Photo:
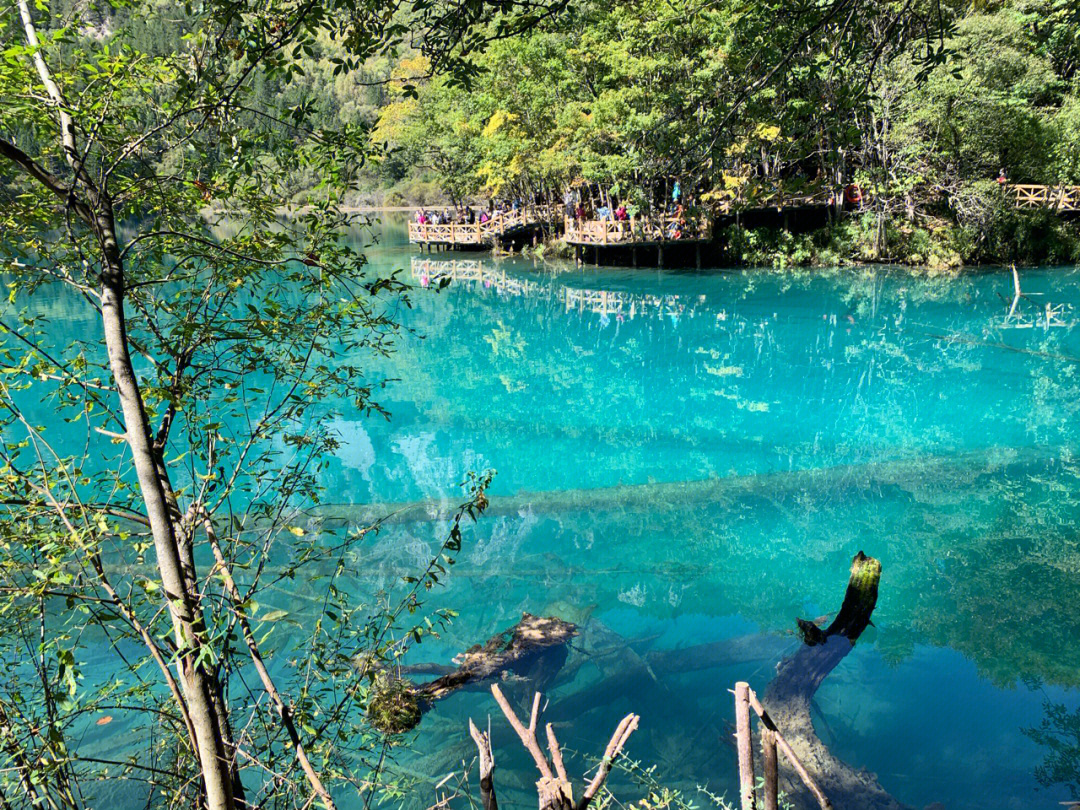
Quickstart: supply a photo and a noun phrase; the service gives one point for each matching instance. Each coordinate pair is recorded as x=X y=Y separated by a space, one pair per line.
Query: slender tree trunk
x=194 y=680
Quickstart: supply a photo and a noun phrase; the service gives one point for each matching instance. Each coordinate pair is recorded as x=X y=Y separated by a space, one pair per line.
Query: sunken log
x=534 y=649
x=798 y=677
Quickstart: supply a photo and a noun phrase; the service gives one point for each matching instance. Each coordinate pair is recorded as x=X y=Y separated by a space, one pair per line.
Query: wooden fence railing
x=480 y=233
x=634 y=231
x=771 y=740
x=1059 y=198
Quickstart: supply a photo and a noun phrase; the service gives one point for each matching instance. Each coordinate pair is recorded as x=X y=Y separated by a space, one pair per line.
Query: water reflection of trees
x=1058 y=733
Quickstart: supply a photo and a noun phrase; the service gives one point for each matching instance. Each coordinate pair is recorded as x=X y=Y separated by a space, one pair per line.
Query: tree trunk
x=797 y=679
x=214 y=763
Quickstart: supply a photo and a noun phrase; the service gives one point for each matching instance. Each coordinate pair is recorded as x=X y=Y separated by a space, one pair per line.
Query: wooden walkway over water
x=503 y=226
x=658 y=232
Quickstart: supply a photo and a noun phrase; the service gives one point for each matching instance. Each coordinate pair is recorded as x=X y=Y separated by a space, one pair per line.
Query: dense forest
x=922 y=105
x=922 y=111
x=923 y=119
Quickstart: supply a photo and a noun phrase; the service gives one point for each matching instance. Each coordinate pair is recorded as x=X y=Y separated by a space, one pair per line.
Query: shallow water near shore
x=687 y=458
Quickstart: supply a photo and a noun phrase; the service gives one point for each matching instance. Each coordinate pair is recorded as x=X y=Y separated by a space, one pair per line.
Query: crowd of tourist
x=469 y=215
x=576 y=207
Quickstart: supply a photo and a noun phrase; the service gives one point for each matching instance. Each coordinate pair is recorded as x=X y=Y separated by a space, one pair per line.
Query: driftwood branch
x=556 y=753
x=526 y=735
x=618 y=740
x=554 y=787
x=487 y=767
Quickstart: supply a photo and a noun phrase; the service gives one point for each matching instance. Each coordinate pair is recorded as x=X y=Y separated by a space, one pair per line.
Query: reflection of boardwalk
x=602 y=302
x=612 y=302
x=503 y=225
x=432 y=271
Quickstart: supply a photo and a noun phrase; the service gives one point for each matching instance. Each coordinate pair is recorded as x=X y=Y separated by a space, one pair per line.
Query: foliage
x=190 y=342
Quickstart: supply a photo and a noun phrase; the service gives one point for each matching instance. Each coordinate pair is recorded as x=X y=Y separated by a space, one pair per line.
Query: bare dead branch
x=527 y=735
x=622 y=733
x=487 y=767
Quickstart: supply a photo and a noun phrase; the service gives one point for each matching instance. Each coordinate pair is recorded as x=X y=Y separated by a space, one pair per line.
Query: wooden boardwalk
x=635 y=231
x=503 y=225
x=1058 y=198
x=656 y=232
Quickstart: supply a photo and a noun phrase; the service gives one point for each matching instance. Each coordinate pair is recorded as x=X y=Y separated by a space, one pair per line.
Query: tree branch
x=487 y=767
x=50 y=181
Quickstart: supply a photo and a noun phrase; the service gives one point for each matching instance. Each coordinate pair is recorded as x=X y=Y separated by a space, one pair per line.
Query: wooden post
x=743 y=741
x=697 y=254
x=768 y=765
x=633 y=255
x=660 y=256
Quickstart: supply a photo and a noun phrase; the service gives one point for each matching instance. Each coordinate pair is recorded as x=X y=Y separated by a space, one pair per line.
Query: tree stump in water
x=798 y=677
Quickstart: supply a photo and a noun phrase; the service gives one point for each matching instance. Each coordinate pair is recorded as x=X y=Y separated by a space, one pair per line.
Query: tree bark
x=798 y=677
x=194 y=680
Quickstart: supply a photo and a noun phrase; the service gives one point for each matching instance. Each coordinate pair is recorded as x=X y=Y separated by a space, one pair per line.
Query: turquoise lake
x=691 y=457
x=826 y=412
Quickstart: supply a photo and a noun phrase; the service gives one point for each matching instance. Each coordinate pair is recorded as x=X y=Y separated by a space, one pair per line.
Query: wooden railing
x=1059 y=198
x=775 y=199
x=481 y=233
x=771 y=740
x=634 y=231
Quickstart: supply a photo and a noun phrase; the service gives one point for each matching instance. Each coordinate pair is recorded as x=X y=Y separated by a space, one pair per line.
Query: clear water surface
x=688 y=457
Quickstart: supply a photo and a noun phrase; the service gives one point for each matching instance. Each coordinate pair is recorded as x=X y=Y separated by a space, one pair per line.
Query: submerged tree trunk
x=534 y=648
x=798 y=677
